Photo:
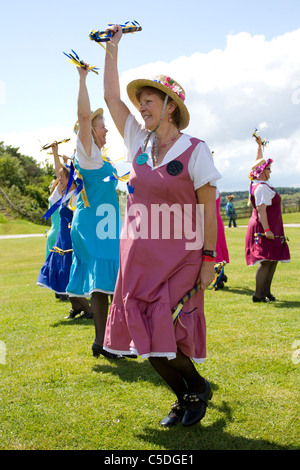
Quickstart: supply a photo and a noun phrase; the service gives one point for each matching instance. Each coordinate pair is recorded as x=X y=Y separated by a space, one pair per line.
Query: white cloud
x=251 y=83
x=30 y=142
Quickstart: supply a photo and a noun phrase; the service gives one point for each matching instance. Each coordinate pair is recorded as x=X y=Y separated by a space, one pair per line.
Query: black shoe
x=175 y=415
x=86 y=315
x=196 y=404
x=258 y=299
x=73 y=313
x=97 y=350
x=270 y=297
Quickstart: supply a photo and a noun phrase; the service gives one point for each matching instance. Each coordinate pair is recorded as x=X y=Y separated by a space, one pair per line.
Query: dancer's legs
x=267 y=286
x=179 y=373
x=80 y=303
x=262 y=274
x=99 y=303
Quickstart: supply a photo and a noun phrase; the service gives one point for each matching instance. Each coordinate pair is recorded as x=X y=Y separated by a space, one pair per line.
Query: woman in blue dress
x=55 y=272
x=96 y=223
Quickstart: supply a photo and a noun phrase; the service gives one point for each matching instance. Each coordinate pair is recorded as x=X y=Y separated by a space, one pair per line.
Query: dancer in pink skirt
x=265 y=240
x=221 y=247
x=163 y=250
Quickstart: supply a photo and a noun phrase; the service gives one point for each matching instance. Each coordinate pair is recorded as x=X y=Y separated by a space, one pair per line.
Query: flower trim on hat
x=259 y=169
x=173 y=86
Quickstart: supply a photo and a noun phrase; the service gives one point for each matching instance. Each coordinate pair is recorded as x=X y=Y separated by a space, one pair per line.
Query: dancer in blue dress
x=96 y=223
x=55 y=272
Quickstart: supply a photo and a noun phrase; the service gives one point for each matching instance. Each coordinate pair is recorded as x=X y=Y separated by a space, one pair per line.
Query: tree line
x=24 y=185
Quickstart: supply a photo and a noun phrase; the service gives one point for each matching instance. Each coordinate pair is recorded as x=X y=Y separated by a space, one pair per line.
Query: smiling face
x=99 y=131
x=151 y=104
x=63 y=179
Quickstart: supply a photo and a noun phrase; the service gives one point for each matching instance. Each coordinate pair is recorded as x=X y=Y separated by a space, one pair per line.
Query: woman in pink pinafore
x=163 y=254
x=265 y=242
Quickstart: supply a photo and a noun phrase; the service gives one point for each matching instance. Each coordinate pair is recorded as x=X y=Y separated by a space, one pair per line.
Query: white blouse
x=201 y=166
x=94 y=162
x=263 y=194
x=55 y=196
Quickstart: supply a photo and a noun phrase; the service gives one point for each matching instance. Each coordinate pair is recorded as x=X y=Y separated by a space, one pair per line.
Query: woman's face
x=100 y=130
x=267 y=172
x=63 y=179
x=150 y=108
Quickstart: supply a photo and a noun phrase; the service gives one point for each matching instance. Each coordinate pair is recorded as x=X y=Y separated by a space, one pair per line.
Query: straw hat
x=168 y=86
x=98 y=112
x=258 y=162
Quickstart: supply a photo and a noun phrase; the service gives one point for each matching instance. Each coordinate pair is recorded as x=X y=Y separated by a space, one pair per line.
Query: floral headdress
x=169 y=82
x=257 y=171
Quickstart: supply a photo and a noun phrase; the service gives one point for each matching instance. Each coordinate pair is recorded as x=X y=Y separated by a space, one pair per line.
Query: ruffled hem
x=50 y=288
x=96 y=276
x=132 y=351
x=255 y=263
x=89 y=294
x=149 y=330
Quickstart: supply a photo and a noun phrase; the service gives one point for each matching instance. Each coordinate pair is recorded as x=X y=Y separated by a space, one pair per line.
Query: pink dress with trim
x=260 y=248
x=157 y=270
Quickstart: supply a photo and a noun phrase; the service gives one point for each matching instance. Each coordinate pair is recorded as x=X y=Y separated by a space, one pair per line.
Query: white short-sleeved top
x=94 y=162
x=55 y=196
x=263 y=194
x=201 y=166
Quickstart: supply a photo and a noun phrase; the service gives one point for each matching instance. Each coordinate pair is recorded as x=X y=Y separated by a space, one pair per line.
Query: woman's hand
x=117 y=30
x=83 y=71
x=54 y=147
x=258 y=140
x=269 y=234
x=206 y=275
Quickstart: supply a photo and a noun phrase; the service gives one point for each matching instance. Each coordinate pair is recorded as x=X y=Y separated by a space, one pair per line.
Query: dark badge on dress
x=174 y=168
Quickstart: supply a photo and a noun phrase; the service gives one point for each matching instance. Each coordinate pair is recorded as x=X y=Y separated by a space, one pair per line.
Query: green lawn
x=55 y=395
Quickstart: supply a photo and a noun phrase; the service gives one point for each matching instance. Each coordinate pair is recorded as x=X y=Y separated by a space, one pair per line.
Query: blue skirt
x=55 y=272
x=95 y=235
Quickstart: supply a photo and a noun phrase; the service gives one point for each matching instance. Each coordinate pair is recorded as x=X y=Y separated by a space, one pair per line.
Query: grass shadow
x=130 y=370
x=201 y=437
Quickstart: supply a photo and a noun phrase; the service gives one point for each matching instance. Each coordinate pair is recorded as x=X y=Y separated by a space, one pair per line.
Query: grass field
x=56 y=396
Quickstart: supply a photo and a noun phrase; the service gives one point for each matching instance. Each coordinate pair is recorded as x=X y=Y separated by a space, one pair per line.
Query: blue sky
x=237 y=60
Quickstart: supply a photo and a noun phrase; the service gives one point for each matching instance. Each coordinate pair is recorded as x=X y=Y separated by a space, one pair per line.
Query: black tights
x=264 y=277
x=179 y=373
x=99 y=303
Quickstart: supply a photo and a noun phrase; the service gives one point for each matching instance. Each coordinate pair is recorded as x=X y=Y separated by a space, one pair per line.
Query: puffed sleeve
x=202 y=168
x=93 y=162
x=263 y=194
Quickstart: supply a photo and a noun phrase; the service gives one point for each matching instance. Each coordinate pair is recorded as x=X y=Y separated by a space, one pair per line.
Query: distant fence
x=287 y=205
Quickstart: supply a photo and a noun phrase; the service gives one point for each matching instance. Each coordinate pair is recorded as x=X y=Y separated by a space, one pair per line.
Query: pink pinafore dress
x=258 y=247
x=158 y=266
